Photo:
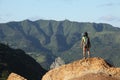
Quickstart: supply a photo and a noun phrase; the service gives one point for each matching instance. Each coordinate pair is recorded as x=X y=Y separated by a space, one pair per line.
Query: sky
x=97 y=11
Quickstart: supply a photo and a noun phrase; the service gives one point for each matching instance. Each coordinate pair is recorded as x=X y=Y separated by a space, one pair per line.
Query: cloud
x=109 y=18
x=1 y=20
x=5 y=18
x=110 y=4
x=33 y=18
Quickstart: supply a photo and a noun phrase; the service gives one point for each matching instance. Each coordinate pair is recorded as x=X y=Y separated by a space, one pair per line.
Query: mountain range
x=45 y=40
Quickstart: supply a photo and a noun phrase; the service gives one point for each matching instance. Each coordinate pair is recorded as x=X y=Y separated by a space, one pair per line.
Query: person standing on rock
x=85 y=44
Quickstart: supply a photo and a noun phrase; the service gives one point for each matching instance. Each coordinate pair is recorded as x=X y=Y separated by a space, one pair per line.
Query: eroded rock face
x=14 y=76
x=80 y=68
x=58 y=62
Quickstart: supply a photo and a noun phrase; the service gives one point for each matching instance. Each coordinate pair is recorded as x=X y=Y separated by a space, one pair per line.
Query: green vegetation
x=15 y=60
x=48 y=39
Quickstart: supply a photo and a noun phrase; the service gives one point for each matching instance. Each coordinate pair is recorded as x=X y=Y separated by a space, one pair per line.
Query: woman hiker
x=85 y=45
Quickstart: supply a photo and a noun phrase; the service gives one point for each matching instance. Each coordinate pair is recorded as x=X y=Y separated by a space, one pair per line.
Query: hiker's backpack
x=86 y=42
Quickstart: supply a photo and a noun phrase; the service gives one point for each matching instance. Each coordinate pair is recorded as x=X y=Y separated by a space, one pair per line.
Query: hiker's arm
x=81 y=44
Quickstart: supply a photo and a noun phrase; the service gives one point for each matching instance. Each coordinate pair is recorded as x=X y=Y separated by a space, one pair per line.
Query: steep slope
x=15 y=60
x=85 y=69
x=45 y=40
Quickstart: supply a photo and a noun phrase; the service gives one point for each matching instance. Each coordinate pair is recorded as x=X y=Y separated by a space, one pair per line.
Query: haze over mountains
x=47 y=39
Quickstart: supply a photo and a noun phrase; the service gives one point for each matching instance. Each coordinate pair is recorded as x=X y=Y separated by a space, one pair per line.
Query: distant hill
x=15 y=60
x=47 y=39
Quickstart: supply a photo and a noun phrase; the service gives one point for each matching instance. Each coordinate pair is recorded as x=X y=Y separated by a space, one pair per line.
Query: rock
x=14 y=76
x=58 y=62
x=80 y=68
x=96 y=76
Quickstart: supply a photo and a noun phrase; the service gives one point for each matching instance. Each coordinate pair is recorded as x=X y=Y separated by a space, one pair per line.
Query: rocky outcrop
x=80 y=68
x=14 y=76
x=58 y=62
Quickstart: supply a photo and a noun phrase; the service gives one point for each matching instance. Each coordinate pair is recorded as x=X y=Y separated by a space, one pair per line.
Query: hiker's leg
x=84 y=52
x=88 y=51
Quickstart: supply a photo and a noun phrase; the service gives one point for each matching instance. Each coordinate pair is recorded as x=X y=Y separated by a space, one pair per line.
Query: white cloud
x=110 y=4
x=108 y=18
x=113 y=20
x=0 y=18
x=34 y=18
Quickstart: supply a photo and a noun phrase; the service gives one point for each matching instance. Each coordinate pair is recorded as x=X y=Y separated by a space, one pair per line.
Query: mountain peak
x=78 y=69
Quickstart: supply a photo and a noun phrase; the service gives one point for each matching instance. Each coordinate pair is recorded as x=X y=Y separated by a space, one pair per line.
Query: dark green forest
x=16 y=61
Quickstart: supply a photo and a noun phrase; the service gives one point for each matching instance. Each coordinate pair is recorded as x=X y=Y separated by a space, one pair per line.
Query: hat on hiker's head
x=85 y=34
